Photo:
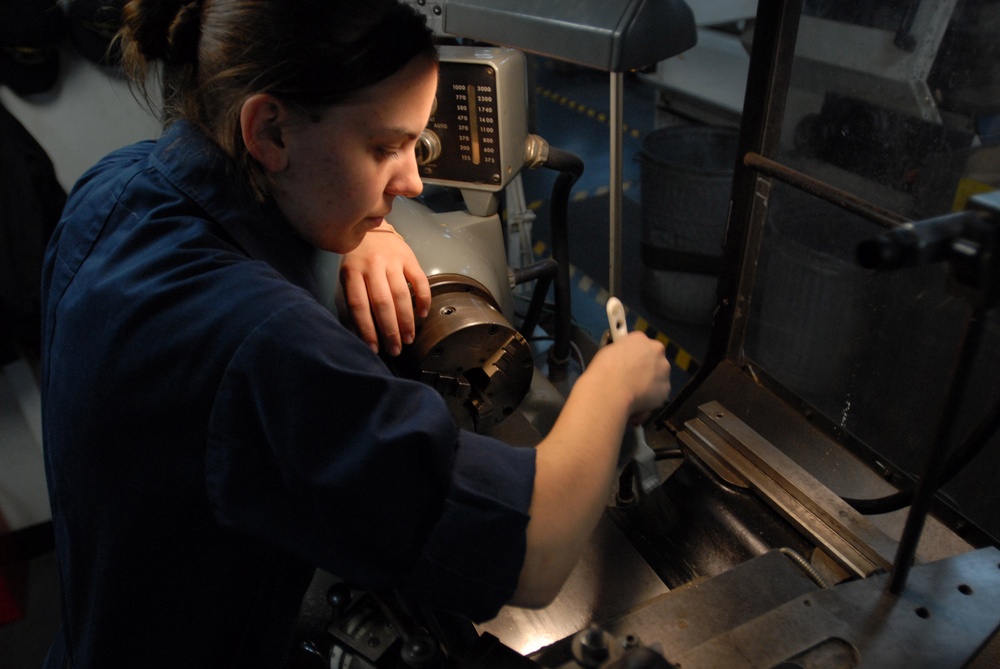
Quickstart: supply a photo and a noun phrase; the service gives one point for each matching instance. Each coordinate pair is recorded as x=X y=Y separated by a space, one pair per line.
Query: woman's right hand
x=638 y=364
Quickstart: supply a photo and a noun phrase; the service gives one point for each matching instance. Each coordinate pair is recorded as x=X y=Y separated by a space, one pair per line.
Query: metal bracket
x=743 y=457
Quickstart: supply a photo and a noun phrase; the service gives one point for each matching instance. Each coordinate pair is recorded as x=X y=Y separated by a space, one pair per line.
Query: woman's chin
x=349 y=239
x=341 y=245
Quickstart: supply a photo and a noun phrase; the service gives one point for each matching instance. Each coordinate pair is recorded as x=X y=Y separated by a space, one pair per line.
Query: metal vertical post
x=616 y=169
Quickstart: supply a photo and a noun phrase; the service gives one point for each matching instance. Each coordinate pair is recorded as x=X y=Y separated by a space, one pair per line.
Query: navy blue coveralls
x=213 y=434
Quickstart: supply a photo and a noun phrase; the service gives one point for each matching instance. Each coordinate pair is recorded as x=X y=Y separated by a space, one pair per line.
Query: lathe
x=828 y=493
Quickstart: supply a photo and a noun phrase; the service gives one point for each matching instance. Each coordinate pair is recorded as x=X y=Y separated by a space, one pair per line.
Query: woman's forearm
x=576 y=461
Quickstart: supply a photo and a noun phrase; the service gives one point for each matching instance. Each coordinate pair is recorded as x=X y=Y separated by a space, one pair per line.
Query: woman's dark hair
x=309 y=53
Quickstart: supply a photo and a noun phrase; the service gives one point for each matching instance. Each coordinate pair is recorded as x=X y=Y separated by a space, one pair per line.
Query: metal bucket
x=687 y=174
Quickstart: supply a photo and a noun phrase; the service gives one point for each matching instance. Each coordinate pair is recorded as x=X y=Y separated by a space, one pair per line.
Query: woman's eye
x=385 y=152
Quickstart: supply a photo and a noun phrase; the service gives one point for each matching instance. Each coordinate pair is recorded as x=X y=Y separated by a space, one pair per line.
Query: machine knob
x=593 y=647
x=419 y=651
x=428 y=147
x=338 y=596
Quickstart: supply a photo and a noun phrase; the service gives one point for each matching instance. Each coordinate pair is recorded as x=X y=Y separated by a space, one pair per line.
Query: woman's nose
x=406 y=181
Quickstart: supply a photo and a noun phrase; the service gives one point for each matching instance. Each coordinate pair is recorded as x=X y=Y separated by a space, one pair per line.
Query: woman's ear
x=261 y=120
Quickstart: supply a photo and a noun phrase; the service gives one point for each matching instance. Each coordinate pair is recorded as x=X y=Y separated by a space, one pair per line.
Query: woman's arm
x=385 y=288
x=575 y=463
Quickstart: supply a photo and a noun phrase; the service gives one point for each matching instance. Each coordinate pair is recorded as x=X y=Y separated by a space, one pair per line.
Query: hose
x=570 y=167
x=543 y=271
x=804 y=565
x=960 y=457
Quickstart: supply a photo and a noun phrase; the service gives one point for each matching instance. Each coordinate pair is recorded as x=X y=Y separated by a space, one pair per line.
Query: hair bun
x=151 y=24
x=184 y=34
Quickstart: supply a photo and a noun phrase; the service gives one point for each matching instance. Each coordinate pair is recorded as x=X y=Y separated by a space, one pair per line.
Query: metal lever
x=645 y=459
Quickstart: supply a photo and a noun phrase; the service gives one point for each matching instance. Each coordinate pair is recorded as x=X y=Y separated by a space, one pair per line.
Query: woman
x=212 y=433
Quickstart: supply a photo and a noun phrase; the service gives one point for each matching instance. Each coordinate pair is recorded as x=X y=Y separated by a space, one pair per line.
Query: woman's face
x=344 y=171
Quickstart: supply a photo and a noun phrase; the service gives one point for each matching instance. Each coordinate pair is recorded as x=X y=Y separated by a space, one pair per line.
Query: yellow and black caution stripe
x=579 y=195
x=677 y=356
x=583 y=194
x=599 y=116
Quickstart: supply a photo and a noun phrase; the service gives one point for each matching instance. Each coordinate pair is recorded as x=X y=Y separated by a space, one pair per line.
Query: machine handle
x=645 y=459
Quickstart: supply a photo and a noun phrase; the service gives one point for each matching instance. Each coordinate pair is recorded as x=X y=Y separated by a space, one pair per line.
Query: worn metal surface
x=839 y=468
x=610 y=580
x=690 y=616
x=940 y=621
x=470 y=353
x=610 y=36
x=855 y=543
x=694 y=527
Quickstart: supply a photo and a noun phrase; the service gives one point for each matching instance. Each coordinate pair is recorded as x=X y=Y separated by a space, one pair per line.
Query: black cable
x=570 y=167
x=573 y=347
x=543 y=271
x=536 y=270
x=980 y=436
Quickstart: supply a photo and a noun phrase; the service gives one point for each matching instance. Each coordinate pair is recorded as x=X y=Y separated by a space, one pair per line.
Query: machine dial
x=466 y=125
x=428 y=147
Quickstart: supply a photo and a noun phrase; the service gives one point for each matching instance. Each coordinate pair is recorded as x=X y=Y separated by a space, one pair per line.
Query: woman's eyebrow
x=398 y=131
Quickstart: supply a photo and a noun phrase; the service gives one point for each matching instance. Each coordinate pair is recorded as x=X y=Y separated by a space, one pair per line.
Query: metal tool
x=645 y=459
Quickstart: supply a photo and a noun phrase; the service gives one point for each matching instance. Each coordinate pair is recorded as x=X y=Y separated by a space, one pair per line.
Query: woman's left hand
x=385 y=289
